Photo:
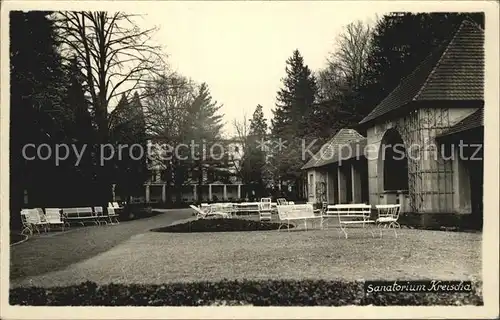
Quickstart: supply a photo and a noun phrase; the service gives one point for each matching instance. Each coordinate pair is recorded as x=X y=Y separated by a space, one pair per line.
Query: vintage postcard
x=249 y=159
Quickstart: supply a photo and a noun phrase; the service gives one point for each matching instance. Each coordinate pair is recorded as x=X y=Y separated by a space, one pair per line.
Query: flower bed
x=220 y=225
x=256 y=293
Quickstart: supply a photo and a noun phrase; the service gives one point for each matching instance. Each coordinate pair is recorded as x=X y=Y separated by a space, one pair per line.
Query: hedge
x=239 y=292
x=221 y=225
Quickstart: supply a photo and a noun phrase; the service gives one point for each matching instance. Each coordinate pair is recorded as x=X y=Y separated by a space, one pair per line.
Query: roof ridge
x=328 y=146
x=438 y=63
x=407 y=78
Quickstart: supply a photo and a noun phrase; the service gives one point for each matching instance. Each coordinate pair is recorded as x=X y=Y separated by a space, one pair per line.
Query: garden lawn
x=156 y=258
x=57 y=250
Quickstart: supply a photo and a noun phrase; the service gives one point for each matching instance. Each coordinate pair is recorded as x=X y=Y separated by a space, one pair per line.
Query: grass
x=57 y=250
x=156 y=258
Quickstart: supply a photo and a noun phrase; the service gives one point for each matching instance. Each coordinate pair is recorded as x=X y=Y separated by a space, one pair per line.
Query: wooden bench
x=80 y=215
x=301 y=212
x=349 y=215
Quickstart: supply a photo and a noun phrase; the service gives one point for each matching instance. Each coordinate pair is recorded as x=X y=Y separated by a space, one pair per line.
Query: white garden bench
x=301 y=212
x=33 y=220
x=227 y=208
x=349 y=215
x=80 y=215
x=248 y=207
x=388 y=215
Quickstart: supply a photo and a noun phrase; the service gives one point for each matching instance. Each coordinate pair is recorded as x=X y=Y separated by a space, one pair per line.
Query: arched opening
x=395 y=161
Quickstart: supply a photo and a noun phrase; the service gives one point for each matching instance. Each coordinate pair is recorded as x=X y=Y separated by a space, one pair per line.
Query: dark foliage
x=242 y=292
x=220 y=225
x=401 y=41
x=36 y=93
x=442 y=221
x=136 y=211
x=15 y=238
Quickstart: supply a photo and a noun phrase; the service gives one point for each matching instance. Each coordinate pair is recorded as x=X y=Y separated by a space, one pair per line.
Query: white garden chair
x=388 y=215
x=116 y=205
x=281 y=202
x=53 y=216
x=265 y=209
x=27 y=227
x=113 y=216
x=201 y=214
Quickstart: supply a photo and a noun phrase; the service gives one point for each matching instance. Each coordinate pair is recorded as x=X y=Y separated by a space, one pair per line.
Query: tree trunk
x=200 y=183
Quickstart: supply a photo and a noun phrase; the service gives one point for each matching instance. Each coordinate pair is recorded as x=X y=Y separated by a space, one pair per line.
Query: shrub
x=16 y=238
x=134 y=211
x=239 y=292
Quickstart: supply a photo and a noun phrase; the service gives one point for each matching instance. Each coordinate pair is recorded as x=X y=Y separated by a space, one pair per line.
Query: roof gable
x=328 y=153
x=453 y=72
x=472 y=121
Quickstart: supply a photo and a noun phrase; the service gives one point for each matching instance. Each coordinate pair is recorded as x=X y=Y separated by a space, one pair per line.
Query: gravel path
x=158 y=258
x=57 y=250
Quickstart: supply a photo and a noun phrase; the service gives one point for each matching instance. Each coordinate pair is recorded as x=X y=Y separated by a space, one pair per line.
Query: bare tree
x=166 y=108
x=167 y=100
x=242 y=129
x=350 y=57
x=345 y=67
x=114 y=54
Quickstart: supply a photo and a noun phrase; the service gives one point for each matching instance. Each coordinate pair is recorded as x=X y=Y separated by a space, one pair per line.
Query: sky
x=240 y=48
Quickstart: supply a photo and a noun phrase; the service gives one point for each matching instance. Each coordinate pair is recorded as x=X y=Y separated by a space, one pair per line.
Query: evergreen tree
x=130 y=170
x=203 y=128
x=36 y=90
x=295 y=101
x=258 y=125
x=253 y=164
x=401 y=41
x=77 y=129
x=294 y=113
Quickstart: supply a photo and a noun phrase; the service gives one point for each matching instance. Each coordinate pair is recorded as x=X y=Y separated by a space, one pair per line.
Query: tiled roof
x=475 y=120
x=451 y=72
x=337 y=148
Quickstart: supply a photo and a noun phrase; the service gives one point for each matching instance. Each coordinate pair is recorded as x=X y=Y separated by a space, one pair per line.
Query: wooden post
x=356 y=184
x=341 y=183
x=461 y=186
